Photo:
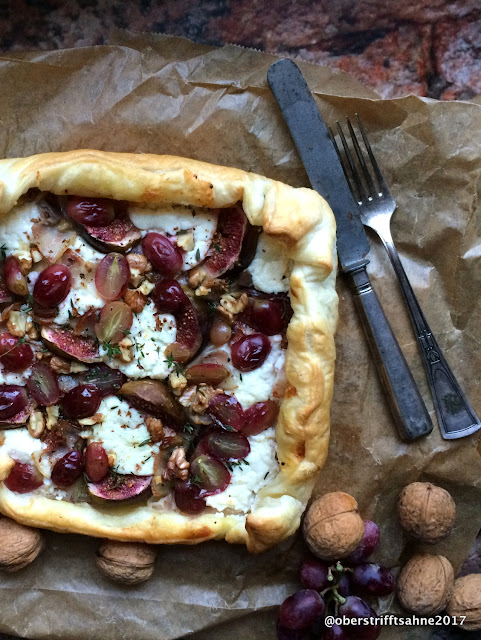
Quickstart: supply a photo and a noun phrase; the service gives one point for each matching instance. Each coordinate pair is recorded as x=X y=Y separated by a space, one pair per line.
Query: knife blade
x=326 y=176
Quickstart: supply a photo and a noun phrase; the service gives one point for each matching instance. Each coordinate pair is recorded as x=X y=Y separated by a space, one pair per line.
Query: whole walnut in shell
x=126 y=562
x=425 y=584
x=426 y=512
x=466 y=600
x=332 y=526
x=19 y=545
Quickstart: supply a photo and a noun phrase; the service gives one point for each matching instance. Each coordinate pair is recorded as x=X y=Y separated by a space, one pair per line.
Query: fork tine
x=362 y=162
x=342 y=161
x=353 y=169
x=380 y=178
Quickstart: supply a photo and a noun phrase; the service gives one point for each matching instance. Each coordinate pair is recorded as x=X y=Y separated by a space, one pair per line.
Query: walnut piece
x=177 y=466
x=146 y=287
x=97 y=418
x=59 y=365
x=52 y=416
x=17 y=324
x=425 y=584
x=36 y=424
x=426 y=512
x=333 y=527
x=20 y=545
x=231 y=306
x=178 y=382
x=126 y=351
x=139 y=265
x=135 y=300
x=126 y=562
x=155 y=428
x=186 y=241
x=466 y=600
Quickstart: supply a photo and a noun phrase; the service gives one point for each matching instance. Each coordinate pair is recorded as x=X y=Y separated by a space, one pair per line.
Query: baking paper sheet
x=161 y=94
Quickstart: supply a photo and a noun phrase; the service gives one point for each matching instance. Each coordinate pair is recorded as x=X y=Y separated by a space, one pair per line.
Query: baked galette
x=166 y=348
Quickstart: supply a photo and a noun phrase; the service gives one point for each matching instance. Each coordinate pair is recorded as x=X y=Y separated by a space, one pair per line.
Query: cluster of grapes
x=332 y=590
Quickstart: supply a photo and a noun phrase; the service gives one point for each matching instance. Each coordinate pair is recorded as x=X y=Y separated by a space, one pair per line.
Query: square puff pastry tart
x=296 y=246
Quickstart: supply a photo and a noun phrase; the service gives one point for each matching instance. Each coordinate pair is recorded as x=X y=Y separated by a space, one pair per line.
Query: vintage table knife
x=326 y=175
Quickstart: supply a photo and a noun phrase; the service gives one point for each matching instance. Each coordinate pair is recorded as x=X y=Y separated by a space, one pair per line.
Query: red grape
x=169 y=296
x=94 y=212
x=208 y=372
x=188 y=499
x=250 y=352
x=112 y=276
x=212 y=476
x=81 y=402
x=14 y=279
x=23 y=478
x=227 y=411
x=68 y=469
x=13 y=399
x=373 y=580
x=115 y=319
x=227 y=445
x=301 y=610
x=15 y=356
x=335 y=633
x=344 y=586
x=266 y=316
x=260 y=416
x=43 y=385
x=356 y=608
x=220 y=332
x=52 y=285
x=108 y=381
x=368 y=544
x=166 y=257
x=314 y=574
x=96 y=462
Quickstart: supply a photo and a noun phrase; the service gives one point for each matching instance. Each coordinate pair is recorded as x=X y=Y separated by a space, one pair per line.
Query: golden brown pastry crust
x=305 y=225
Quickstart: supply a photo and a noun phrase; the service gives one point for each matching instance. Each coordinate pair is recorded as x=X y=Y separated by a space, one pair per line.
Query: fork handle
x=410 y=414
x=455 y=415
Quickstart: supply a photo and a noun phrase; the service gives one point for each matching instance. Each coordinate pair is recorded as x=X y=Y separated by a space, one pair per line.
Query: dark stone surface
x=427 y=47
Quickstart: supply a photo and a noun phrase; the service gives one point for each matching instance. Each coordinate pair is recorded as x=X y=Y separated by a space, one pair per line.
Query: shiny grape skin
x=260 y=416
x=22 y=478
x=372 y=579
x=52 y=285
x=13 y=399
x=368 y=544
x=344 y=586
x=94 y=212
x=15 y=356
x=81 y=402
x=108 y=381
x=163 y=253
x=250 y=352
x=301 y=609
x=227 y=411
x=68 y=469
x=96 y=462
x=188 y=499
x=313 y=574
x=169 y=297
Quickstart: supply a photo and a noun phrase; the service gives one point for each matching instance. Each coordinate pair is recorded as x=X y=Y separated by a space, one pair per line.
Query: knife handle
x=408 y=409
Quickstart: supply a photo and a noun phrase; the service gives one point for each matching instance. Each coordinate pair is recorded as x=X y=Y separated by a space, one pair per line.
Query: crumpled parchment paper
x=161 y=94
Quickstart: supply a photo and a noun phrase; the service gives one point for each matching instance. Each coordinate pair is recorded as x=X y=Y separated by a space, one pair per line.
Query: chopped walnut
x=178 y=382
x=139 y=265
x=59 y=365
x=231 y=306
x=126 y=351
x=155 y=428
x=197 y=397
x=112 y=456
x=52 y=416
x=146 y=287
x=186 y=241
x=177 y=466
x=17 y=324
x=36 y=255
x=202 y=291
x=78 y=367
x=97 y=418
x=187 y=397
x=36 y=424
x=135 y=300
x=32 y=332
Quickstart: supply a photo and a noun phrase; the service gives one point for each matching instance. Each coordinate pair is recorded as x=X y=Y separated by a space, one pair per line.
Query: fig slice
x=120 y=488
x=152 y=396
x=120 y=235
x=20 y=418
x=68 y=345
x=227 y=246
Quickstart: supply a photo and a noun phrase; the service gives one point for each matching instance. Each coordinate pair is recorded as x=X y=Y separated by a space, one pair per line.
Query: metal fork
x=455 y=415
